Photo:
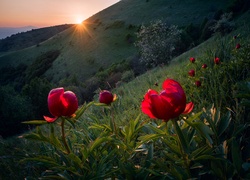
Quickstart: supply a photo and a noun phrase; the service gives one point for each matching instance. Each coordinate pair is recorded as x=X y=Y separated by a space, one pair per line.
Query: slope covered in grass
x=103 y=39
x=140 y=148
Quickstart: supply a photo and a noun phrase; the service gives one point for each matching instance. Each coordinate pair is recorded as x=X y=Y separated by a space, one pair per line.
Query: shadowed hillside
x=30 y=38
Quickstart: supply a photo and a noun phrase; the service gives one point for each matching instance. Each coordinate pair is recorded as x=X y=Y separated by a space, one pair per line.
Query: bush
x=224 y=25
x=14 y=109
x=157 y=43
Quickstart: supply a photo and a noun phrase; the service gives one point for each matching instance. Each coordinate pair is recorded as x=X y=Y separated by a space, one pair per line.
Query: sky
x=44 y=13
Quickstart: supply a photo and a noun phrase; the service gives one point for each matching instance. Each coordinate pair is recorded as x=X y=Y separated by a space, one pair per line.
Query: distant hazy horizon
x=44 y=13
x=8 y=31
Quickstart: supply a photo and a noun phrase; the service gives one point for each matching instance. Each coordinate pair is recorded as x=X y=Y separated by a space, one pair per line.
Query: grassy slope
x=103 y=40
x=131 y=94
x=127 y=106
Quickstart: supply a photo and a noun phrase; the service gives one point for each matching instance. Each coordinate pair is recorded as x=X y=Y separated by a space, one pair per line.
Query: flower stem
x=183 y=145
x=64 y=137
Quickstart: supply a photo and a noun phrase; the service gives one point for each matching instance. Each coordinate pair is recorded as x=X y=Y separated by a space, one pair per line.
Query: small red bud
x=106 y=97
x=217 y=60
x=191 y=73
x=192 y=59
x=204 y=66
x=237 y=46
x=198 y=83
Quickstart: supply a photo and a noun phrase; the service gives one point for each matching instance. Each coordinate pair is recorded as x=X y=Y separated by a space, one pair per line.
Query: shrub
x=157 y=43
x=224 y=25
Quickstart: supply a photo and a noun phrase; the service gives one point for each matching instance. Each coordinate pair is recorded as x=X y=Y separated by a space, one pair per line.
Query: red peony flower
x=169 y=104
x=237 y=46
x=198 y=83
x=191 y=73
x=61 y=103
x=204 y=66
x=217 y=60
x=192 y=59
x=106 y=97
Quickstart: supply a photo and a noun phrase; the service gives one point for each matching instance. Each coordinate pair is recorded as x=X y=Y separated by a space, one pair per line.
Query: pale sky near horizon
x=42 y=13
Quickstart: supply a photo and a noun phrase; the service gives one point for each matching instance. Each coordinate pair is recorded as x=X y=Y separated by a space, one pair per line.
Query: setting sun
x=79 y=21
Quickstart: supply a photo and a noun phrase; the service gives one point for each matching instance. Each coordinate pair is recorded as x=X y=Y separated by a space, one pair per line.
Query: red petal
x=189 y=108
x=175 y=95
x=54 y=101
x=146 y=105
x=49 y=119
x=160 y=107
x=70 y=103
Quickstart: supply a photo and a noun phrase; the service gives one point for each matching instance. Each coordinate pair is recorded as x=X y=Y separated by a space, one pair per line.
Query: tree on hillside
x=157 y=43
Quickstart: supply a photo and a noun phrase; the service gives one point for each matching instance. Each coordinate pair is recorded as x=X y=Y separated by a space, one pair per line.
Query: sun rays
x=83 y=31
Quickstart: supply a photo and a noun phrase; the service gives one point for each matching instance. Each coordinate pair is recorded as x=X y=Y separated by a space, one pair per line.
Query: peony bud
x=192 y=59
x=217 y=60
x=198 y=83
x=106 y=97
x=191 y=73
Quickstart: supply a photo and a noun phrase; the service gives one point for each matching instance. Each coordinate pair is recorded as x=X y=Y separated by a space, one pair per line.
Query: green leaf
x=236 y=154
x=75 y=159
x=98 y=142
x=72 y=121
x=203 y=129
x=149 y=137
x=206 y=157
x=35 y=122
x=101 y=104
x=223 y=123
x=81 y=110
x=46 y=161
x=150 y=154
x=53 y=139
x=183 y=141
x=201 y=151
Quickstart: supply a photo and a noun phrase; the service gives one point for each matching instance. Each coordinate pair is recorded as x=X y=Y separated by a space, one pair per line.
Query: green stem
x=183 y=145
x=112 y=118
x=64 y=137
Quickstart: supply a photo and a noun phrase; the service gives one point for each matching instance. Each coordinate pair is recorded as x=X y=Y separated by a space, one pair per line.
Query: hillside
x=102 y=39
x=134 y=137
x=120 y=141
x=8 y=31
x=30 y=38
x=97 y=54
